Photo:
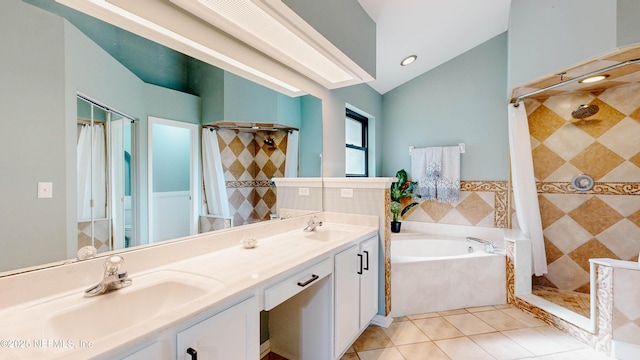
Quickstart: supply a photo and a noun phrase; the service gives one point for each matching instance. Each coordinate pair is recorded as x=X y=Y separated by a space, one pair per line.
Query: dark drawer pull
x=314 y=277
x=360 y=271
x=193 y=353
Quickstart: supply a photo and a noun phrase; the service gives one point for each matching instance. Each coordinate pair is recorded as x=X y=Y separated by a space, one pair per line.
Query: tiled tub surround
x=216 y=255
x=248 y=164
x=440 y=283
x=613 y=325
x=482 y=203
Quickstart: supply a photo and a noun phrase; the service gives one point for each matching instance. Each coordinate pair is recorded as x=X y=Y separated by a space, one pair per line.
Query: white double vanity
x=202 y=297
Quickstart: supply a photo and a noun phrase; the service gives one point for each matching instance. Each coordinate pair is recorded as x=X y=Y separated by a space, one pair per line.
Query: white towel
x=426 y=166
x=448 y=183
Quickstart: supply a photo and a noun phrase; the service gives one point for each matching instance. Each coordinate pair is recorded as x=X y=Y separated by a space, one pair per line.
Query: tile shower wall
x=482 y=203
x=605 y=221
x=248 y=164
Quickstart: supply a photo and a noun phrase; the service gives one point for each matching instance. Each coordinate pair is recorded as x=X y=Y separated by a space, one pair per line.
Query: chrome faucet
x=114 y=277
x=489 y=246
x=312 y=224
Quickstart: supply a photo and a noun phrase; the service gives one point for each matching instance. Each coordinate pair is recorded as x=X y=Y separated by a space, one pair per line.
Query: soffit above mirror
x=213 y=38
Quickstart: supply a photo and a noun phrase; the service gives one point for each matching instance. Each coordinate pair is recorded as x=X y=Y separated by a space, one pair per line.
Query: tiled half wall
x=248 y=164
x=603 y=222
x=482 y=203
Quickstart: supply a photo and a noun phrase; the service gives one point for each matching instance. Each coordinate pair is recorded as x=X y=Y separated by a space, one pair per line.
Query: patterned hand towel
x=426 y=166
x=448 y=184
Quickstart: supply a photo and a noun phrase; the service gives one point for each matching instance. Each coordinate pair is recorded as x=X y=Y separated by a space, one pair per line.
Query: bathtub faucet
x=489 y=246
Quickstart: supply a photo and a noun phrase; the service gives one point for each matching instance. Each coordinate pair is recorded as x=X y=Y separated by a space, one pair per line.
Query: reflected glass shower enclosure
x=105 y=201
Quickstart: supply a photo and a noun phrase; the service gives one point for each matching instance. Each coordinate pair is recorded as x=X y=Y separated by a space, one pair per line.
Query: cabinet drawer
x=287 y=288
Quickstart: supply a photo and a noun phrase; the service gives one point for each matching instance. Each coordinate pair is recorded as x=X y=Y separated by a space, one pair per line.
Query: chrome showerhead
x=584 y=111
x=269 y=141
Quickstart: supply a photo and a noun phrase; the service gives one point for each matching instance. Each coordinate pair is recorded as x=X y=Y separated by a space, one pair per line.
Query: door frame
x=193 y=166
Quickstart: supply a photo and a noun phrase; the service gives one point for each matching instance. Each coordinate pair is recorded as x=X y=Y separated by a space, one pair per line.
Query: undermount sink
x=149 y=296
x=328 y=234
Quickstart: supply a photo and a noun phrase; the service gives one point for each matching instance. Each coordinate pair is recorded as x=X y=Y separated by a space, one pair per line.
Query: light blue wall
x=366 y=101
x=549 y=36
x=32 y=136
x=459 y=101
x=628 y=12
x=310 y=136
x=246 y=101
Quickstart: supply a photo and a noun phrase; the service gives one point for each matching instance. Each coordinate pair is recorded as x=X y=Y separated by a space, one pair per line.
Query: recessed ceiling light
x=593 y=79
x=408 y=60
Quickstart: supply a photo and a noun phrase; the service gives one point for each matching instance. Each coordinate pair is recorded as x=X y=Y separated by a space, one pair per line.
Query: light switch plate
x=45 y=190
x=346 y=193
x=303 y=191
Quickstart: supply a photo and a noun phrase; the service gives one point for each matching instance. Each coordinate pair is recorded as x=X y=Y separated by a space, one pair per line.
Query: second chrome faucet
x=312 y=224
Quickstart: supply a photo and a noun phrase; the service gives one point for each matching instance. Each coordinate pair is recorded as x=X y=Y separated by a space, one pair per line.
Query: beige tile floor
x=490 y=332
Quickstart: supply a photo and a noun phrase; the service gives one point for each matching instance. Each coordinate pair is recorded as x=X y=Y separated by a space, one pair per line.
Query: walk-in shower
x=584 y=155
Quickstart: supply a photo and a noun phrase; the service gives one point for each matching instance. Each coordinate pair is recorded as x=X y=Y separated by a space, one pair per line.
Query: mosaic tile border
x=387 y=252
x=494 y=186
x=604 y=309
x=247 y=184
x=599 y=188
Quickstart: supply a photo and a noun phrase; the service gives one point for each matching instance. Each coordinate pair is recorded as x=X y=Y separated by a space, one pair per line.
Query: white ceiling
x=435 y=30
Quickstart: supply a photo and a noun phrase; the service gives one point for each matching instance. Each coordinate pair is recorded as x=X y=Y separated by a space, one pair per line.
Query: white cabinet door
x=231 y=334
x=369 y=281
x=347 y=298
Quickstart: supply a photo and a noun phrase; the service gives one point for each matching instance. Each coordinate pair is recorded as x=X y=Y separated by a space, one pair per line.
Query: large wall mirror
x=65 y=75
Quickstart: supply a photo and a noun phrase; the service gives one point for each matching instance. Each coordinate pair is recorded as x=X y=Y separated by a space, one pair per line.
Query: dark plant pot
x=395 y=226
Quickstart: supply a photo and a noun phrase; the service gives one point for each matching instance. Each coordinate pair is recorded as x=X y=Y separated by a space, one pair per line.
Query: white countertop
x=242 y=271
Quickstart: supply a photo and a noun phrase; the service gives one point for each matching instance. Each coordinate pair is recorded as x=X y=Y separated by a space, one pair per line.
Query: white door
x=173 y=178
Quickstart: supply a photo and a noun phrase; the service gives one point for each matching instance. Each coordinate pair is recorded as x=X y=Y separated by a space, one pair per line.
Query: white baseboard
x=265 y=348
x=383 y=321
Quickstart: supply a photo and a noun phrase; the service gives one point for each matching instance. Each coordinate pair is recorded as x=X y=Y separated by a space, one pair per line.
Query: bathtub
x=432 y=273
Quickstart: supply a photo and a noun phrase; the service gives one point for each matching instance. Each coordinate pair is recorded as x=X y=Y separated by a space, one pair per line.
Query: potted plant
x=401 y=198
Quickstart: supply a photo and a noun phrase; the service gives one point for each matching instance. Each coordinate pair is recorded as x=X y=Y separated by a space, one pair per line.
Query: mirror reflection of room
x=105 y=199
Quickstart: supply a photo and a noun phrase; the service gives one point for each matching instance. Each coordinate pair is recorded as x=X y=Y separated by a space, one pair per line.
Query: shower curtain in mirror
x=91 y=173
x=524 y=186
x=213 y=176
x=291 y=161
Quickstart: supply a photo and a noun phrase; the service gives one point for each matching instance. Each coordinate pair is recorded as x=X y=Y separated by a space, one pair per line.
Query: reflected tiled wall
x=248 y=164
x=603 y=222
x=100 y=233
x=482 y=203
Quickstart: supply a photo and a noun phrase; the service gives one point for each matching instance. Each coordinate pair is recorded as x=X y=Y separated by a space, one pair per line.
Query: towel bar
x=461 y=145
